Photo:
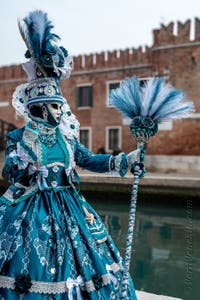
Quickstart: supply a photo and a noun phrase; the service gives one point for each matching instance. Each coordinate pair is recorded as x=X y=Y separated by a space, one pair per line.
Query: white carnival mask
x=55 y=109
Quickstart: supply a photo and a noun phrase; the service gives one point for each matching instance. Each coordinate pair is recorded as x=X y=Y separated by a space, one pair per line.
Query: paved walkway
x=170 y=180
x=156 y=179
x=148 y=296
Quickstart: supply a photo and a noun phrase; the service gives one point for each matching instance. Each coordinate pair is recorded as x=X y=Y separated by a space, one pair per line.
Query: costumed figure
x=53 y=245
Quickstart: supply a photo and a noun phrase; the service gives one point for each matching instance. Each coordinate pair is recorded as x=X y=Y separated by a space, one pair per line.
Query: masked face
x=55 y=110
x=48 y=113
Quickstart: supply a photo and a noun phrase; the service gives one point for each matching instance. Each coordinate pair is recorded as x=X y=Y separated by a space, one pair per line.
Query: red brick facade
x=174 y=56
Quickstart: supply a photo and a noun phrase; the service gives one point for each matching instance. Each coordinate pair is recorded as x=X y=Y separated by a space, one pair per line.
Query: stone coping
x=165 y=180
x=147 y=296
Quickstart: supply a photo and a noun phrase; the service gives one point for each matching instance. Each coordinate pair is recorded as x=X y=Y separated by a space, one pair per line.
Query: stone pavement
x=152 y=179
x=148 y=296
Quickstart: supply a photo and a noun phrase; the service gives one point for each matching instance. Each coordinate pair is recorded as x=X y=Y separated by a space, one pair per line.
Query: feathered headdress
x=147 y=106
x=47 y=59
x=48 y=64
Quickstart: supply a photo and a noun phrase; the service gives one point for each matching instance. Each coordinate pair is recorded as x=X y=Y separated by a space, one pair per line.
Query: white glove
x=133 y=156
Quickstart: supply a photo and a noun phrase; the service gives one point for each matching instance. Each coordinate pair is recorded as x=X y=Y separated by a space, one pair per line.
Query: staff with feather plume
x=146 y=106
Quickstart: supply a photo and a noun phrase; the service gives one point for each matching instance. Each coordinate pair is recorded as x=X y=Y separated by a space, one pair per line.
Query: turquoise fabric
x=48 y=248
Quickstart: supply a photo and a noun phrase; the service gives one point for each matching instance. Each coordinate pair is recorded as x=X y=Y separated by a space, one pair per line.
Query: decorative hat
x=48 y=63
x=43 y=90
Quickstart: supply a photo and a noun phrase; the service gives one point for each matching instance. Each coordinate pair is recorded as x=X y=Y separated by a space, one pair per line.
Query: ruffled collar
x=41 y=128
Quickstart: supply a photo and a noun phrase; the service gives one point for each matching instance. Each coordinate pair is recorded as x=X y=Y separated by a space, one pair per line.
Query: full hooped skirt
x=48 y=250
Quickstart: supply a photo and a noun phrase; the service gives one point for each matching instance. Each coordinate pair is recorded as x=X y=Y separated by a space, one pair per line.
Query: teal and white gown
x=53 y=245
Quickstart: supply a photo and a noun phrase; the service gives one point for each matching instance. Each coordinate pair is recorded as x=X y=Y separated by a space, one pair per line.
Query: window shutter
x=90 y=96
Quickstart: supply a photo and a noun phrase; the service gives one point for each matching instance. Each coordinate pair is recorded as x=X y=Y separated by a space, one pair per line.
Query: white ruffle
x=19 y=101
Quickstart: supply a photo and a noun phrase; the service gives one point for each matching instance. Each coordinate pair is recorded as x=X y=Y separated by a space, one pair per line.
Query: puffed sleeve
x=100 y=162
x=11 y=170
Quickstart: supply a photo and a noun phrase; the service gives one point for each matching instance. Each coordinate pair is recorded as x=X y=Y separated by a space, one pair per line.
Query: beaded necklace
x=46 y=142
x=48 y=139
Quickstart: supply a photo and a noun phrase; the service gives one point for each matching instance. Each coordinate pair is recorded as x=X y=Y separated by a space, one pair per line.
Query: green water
x=166 y=255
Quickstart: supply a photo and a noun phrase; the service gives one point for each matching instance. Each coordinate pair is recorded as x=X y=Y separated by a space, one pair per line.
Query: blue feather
x=157 y=100
x=179 y=113
x=38 y=23
x=126 y=98
x=122 y=106
x=171 y=97
x=157 y=87
x=40 y=39
x=134 y=86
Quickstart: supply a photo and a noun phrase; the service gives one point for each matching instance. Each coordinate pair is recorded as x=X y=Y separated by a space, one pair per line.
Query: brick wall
x=175 y=56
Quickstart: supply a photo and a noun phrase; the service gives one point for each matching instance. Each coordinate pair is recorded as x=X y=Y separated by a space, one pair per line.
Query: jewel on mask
x=44 y=113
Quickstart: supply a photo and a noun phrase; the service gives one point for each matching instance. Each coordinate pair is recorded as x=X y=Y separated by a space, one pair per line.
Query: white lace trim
x=40 y=287
x=118 y=159
x=61 y=287
x=67 y=121
x=8 y=195
x=116 y=267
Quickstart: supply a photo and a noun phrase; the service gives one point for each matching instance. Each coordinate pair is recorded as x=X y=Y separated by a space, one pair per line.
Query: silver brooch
x=34 y=92
x=49 y=90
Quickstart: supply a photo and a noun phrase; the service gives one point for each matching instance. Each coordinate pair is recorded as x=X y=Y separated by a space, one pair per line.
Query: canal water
x=166 y=249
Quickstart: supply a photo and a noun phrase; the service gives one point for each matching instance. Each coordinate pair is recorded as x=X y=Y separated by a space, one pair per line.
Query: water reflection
x=161 y=261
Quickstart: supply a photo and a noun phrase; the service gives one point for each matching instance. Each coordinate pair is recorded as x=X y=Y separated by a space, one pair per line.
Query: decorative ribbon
x=75 y=283
x=31 y=169
x=19 y=157
x=23 y=160
x=70 y=172
x=41 y=179
x=112 y=277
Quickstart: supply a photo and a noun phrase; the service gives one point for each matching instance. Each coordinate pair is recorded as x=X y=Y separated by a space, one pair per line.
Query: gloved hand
x=133 y=156
x=135 y=160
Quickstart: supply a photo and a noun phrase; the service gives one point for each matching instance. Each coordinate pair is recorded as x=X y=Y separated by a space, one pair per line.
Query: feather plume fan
x=147 y=106
x=156 y=99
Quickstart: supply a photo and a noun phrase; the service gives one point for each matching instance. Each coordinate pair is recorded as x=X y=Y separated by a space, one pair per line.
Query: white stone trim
x=194 y=116
x=4 y=103
x=84 y=84
x=147 y=296
x=165 y=126
x=84 y=107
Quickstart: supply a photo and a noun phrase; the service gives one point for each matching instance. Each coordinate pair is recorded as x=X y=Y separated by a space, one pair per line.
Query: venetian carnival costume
x=53 y=245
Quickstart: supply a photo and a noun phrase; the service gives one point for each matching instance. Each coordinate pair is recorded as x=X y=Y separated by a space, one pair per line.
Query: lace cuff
x=119 y=164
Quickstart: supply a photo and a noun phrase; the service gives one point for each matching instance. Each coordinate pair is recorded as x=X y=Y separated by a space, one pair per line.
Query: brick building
x=174 y=56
